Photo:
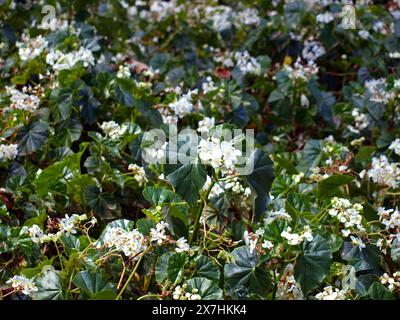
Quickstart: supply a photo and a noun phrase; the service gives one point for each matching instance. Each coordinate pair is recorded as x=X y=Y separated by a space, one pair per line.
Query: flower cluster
x=158 y=233
x=113 y=129
x=390 y=218
x=294 y=239
x=138 y=174
x=383 y=172
x=23 y=284
x=331 y=293
x=395 y=146
x=64 y=61
x=29 y=49
x=8 y=152
x=393 y=283
x=22 y=100
x=180 y=293
x=219 y=154
x=67 y=226
x=131 y=243
x=246 y=63
x=377 y=90
x=184 y=105
x=348 y=214
x=288 y=288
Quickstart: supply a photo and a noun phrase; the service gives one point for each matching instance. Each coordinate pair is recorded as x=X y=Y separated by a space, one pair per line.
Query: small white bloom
x=182 y=245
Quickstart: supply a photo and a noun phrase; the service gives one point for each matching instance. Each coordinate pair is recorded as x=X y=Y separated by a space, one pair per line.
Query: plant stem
x=196 y=222
x=149 y=296
x=131 y=275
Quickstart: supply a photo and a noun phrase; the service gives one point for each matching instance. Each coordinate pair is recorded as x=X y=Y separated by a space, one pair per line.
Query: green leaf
x=276 y=95
x=378 y=291
x=330 y=186
x=124 y=96
x=161 y=267
x=32 y=138
x=37 y=270
x=207 y=269
x=64 y=170
x=362 y=259
x=313 y=263
x=310 y=155
x=244 y=276
x=144 y=225
x=395 y=250
x=207 y=289
x=174 y=210
x=49 y=286
x=158 y=195
x=261 y=180
x=170 y=266
x=91 y=284
x=175 y=266
x=103 y=203
x=286 y=164
x=188 y=181
x=365 y=153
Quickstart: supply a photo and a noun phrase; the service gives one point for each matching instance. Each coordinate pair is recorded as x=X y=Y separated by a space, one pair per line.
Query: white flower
x=307 y=233
x=23 y=284
x=113 y=129
x=67 y=224
x=395 y=146
x=355 y=241
x=130 y=242
x=378 y=92
x=35 y=233
x=301 y=70
x=312 y=50
x=288 y=288
x=23 y=100
x=249 y=16
x=184 y=105
x=267 y=245
x=390 y=218
x=220 y=17
x=158 y=234
x=60 y=61
x=251 y=239
x=246 y=63
x=8 y=152
x=384 y=173
x=393 y=283
x=206 y=124
x=123 y=72
x=281 y=214
x=180 y=293
x=325 y=18
x=304 y=101
x=139 y=174
x=364 y=34
x=208 y=85
x=182 y=245
x=331 y=293
x=292 y=238
x=31 y=48
x=394 y=55
x=361 y=121
x=218 y=154
x=347 y=214
x=161 y=9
